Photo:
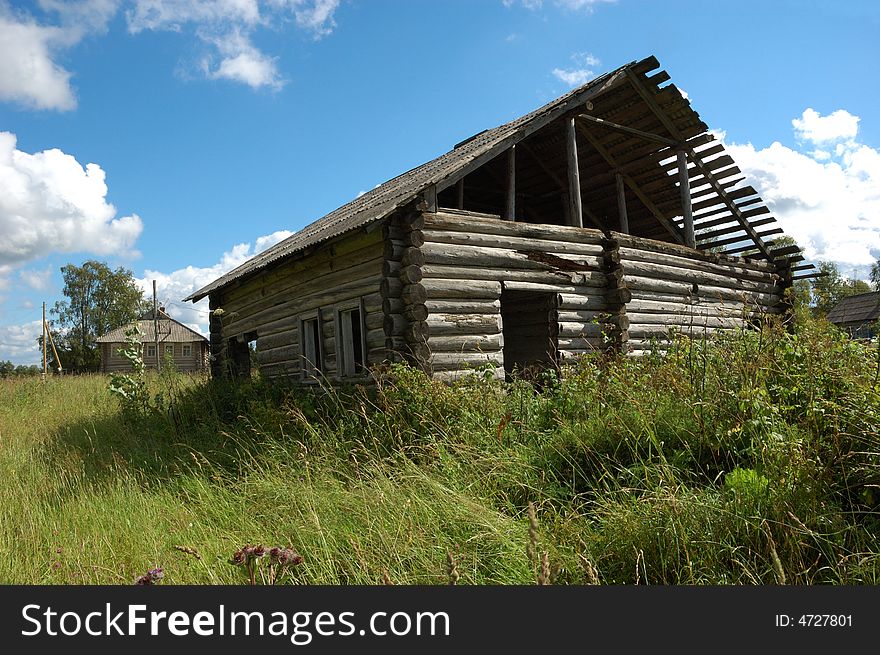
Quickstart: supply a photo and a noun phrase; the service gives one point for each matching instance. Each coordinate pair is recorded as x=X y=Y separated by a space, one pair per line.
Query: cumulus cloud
x=29 y=74
x=228 y=27
x=173 y=287
x=49 y=203
x=18 y=343
x=827 y=199
x=241 y=62
x=581 y=73
x=836 y=126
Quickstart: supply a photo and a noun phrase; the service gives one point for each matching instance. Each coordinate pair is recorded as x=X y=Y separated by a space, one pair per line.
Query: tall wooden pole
x=156 y=327
x=684 y=184
x=621 y=203
x=44 y=340
x=574 y=177
x=510 y=206
x=459 y=192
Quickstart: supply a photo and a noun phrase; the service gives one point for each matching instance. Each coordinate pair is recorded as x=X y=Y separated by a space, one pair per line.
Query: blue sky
x=176 y=138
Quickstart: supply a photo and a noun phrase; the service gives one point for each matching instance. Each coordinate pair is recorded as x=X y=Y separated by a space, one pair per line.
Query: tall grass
x=749 y=458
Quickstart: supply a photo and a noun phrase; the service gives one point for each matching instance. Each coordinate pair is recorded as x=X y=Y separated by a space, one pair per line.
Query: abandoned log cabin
x=605 y=219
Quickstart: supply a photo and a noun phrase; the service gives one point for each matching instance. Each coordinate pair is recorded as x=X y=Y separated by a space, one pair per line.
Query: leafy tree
x=831 y=287
x=98 y=300
x=875 y=274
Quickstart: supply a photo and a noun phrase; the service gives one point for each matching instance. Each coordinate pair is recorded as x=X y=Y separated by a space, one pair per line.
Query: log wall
x=269 y=307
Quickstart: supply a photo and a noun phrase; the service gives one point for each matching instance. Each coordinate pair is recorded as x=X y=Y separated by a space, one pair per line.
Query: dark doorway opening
x=531 y=329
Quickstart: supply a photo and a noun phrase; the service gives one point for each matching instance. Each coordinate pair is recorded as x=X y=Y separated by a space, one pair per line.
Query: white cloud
x=50 y=203
x=829 y=203
x=18 y=343
x=228 y=26
x=836 y=126
x=582 y=72
x=173 y=287
x=38 y=280
x=571 y=5
x=242 y=62
x=29 y=75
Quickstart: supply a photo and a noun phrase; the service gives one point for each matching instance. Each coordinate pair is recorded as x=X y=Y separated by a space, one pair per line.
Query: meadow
x=750 y=458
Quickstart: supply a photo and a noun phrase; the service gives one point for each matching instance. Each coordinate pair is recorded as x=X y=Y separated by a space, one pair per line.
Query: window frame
x=184 y=348
x=310 y=370
x=345 y=349
x=150 y=350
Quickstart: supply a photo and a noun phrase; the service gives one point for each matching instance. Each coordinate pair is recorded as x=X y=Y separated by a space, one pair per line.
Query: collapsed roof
x=627 y=125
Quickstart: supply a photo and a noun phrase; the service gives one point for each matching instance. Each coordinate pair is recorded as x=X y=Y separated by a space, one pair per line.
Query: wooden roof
x=170 y=331
x=863 y=308
x=627 y=124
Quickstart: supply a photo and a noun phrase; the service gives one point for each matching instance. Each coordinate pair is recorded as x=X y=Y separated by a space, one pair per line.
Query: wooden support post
x=431 y=199
x=684 y=185
x=574 y=177
x=510 y=205
x=621 y=203
x=459 y=192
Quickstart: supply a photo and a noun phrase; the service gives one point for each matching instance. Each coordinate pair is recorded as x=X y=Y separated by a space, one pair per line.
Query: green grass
x=749 y=459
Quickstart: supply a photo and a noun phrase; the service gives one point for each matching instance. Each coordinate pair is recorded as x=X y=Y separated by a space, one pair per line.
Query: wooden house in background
x=857 y=314
x=605 y=219
x=186 y=348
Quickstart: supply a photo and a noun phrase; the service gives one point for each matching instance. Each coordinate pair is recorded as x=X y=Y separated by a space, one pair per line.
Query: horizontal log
x=373 y=302
x=512 y=242
x=244 y=323
x=684 y=321
x=278 y=339
x=456 y=375
x=390 y=287
x=394 y=325
x=663 y=272
x=416 y=332
x=595 y=301
x=483 y=225
x=581 y=343
x=466 y=342
x=584 y=289
x=448 y=254
x=463 y=306
x=448 y=289
x=450 y=324
x=684 y=289
x=415 y=313
x=730 y=269
x=456 y=361
x=588 y=330
x=650 y=245
x=566 y=278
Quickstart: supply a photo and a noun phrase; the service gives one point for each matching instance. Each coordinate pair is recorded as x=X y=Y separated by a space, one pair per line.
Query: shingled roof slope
x=170 y=331
x=863 y=308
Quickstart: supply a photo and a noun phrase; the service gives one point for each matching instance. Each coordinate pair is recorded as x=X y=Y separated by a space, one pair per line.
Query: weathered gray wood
x=465 y=343
x=391 y=287
x=436 y=306
x=585 y=289
x=684 y=289
x=638 y=243
x=466 y=255
x=621 y=203
x=410 y=275
x=483 y=225
x=415 y=312
x=475 y=272
x=662 y=272
x=394 y=325
x=447 y=289
x=594 y=301
x=456 y=361
x=728 y=269
x=456 y=375
x=648 y=136
x=574 y=176
x=413 y=294
x=511 y=242
x=392 y=306
x=451 y=324
x=459 y=193
x=695 y=320
x=412 y=256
